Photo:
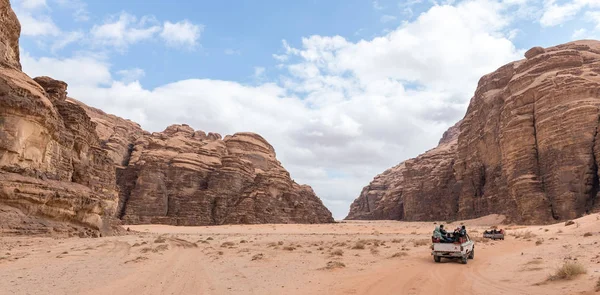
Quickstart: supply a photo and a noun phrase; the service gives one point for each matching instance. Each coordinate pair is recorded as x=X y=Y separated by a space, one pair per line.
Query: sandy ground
x=293 y=259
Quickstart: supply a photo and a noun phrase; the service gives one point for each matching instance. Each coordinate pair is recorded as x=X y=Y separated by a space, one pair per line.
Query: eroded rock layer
x=185 y=177
x=51 y=163
x=527 y=148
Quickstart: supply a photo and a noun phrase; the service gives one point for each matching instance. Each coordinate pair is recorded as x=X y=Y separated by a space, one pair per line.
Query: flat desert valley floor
x=354 y=257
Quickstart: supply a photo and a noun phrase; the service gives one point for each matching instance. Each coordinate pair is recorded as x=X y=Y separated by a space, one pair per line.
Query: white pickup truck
x=464 y=250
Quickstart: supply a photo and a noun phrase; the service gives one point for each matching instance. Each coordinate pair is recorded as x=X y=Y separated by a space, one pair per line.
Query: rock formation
x=185 y=177
x=61 y=161
x=51 y=163
x=527 y=148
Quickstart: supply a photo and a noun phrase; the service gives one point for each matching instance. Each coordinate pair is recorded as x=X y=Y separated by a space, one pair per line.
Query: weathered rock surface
x=51 y=163
x=61 y=161
x=185 y=177
x=527 y=148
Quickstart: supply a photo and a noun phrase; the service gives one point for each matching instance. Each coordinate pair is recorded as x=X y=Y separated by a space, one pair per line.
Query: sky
x=343 y=89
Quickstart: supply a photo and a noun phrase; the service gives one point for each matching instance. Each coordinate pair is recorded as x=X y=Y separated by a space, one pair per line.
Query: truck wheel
x=464 y=260
x=437 y=258
x=472 y=254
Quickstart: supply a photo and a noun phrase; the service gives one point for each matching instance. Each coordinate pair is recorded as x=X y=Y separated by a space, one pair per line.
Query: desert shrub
x=539 y=242
x=570 y=222
x=421 y=242
x=525 y=235
x=227 y=244
x=289 y=248
x=397 y=241
x=568 y=271
x=360 y=245
x=587 y=234
x=334 y=265
x=337 y=252
x=399 y=254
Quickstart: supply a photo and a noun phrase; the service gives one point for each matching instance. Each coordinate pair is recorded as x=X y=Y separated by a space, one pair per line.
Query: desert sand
x=293 y=259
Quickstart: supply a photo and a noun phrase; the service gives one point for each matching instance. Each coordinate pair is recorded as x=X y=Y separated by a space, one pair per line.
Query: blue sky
x=343 y=89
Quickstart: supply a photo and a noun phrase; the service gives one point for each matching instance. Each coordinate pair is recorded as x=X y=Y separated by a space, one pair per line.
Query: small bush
x=525 y=235
x=399 y=254
x=413 y=233
x=374 y=251
x=160 y=240
x=243 y=241
x=360 y=245
x=258 y=256
x=568 y=271
x=289 y=248
x=587 y=234
x=559 y=231
x=209 y=239
x=334 y=265
x=395 y=241
x=227 y=244
x=280 y=243
x=337 y=252
x=570 y=222
x=539 y=242
x=421 y=242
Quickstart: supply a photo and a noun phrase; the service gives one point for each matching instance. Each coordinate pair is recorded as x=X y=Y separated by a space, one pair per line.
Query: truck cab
x=463 y=249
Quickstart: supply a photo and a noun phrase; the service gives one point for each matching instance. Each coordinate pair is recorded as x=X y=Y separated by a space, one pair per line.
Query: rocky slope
x=185 y=177
x=64 y=165
x=527 y=148
x=51 y=163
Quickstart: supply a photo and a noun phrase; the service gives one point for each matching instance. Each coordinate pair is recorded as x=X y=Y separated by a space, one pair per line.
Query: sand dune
x=369 y=257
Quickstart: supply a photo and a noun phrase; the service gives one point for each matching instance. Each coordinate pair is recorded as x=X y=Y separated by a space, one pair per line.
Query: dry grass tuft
x=337 y=252
x=360 y=245
x=570 y=222
x=421 y=242
x=289 y=248
x=160 y=240
x=399 y=254
x=539 y=242
x=567 y=271
x=374 y=251
x=280 y=243
x=258 y=256
x=525 y=235
x=587 y=234
x=227 y=244
x=395 y=241
x=334 y=265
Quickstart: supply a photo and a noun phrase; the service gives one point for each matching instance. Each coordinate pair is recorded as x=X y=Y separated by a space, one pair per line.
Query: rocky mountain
x=527 y=148
x=67 y=167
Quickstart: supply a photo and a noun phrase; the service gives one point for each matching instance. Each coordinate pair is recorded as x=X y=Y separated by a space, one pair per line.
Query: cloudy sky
x=343 y=89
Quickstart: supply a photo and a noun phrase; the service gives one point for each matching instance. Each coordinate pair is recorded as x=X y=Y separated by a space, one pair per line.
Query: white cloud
x=181 y=34
x=387 y=18
x=131 y=75
x=123 y=31
x=65 y=39
x=80 y=71
x=32 y=4
x=557 y=14
x=230 y=51
x=343 y=112
x=79 y=8
x=36 y=26
x=377 y=6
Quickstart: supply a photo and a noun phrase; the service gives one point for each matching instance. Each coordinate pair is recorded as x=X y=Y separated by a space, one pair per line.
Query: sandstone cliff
x=51 y=163
x=185 y=177
x=526 y=148
x=64 y=165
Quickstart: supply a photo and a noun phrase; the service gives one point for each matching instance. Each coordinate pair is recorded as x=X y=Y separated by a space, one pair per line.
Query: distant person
x=462 y=231
x=445 y=235
x=437 y=234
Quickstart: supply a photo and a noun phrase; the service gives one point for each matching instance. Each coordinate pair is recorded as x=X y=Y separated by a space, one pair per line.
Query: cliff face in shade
x=417 y=189
x=53 y=174
x=185 y=177
x=527 y=148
